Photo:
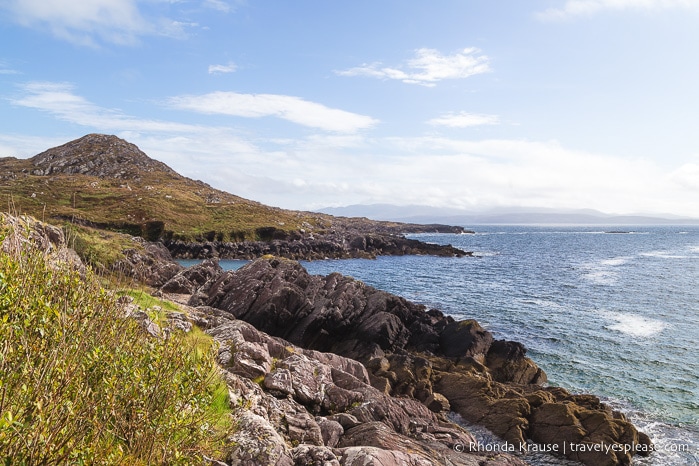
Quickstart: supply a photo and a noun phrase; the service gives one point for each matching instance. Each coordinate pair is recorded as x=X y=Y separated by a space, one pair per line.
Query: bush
x=82 y=384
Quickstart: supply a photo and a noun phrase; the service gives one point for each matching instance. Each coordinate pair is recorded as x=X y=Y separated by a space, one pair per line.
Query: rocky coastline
x=344 y=238
x=326 y=370
x=330 y=246
x=278 y=325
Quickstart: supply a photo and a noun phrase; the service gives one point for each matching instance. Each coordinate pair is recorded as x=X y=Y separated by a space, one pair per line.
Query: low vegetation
x=157 y=205
x=80 y=383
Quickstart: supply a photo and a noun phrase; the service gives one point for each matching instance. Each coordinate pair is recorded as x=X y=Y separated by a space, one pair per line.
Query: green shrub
x=82 y=384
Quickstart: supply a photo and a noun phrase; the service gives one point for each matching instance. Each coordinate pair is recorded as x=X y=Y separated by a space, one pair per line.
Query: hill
x=105 y=182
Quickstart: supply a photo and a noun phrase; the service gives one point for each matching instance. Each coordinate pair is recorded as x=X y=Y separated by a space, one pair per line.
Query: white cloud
x=219 y=5
x=230 y=67
x=464 y=120
x=174 y=29
x=60 y=100
x=427 y=67
x=5 y=69
x=339 y=169
x=289 y=108
x=81 y=22
x=573 y=8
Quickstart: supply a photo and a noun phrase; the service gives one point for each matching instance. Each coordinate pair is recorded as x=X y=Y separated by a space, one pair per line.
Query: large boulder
x=337 y=313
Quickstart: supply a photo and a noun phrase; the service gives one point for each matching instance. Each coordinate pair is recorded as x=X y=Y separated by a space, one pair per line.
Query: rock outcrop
x=348 y=244
x=297 y=406
x=99 y=155
x=146 y=262
x=412 y=352
x=18 y=233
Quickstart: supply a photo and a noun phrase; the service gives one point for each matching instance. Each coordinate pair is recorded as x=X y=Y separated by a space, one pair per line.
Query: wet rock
x=465 y=338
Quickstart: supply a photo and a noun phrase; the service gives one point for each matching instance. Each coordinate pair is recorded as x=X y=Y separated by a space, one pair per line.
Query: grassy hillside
x=106 y=182
x=136 y=195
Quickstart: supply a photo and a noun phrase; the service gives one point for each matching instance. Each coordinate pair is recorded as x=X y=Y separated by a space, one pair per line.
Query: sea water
x=612 y=311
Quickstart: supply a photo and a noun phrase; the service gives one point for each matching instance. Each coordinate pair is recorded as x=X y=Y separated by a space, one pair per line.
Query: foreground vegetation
x=82 y=384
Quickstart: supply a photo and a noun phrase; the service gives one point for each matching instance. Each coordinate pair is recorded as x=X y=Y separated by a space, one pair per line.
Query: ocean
x=612 y=311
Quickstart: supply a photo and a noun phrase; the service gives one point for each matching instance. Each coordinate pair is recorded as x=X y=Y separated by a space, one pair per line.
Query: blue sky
x=307 y=104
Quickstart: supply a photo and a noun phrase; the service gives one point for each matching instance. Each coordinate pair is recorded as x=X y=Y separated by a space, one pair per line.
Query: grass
x=81 y=384
x=158 y=204
x=182 y=204
x=100 y=249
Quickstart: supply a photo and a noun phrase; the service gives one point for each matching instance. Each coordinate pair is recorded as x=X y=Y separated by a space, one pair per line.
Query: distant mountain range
x=501 y=215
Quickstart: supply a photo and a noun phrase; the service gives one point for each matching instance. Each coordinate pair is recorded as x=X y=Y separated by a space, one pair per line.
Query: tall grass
x=82 y=384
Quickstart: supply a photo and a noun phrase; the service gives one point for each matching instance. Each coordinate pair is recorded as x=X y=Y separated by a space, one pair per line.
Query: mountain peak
x=101 y=155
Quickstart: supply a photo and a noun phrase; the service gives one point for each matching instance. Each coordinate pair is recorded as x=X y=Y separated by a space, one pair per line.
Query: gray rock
x=331 y=430
x=312 y=455
x=256 y=442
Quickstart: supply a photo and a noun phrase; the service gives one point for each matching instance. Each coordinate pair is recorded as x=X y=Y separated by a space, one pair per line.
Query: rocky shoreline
x=396 y=369
x=366 y=246
x=348 y=238
x=331 y=371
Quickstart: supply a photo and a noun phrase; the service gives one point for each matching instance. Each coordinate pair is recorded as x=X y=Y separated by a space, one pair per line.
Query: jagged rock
x=342 y=244
x=335 y=313
x=151 y=263
x=465 y=338
x=331 y=430
x=507 y=363
x=28 y=232
x=178 y=321
x=188 y=280
x=372 y=456
x=437 y=403
x=96 y=155
x=302 y=428
x=312 y=398
x=311 y=455
x=410 y=351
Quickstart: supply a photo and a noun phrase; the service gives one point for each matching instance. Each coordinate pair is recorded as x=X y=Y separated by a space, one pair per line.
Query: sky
x=472 y=104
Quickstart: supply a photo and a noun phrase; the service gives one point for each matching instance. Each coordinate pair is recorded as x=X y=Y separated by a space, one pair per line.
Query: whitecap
x=633 y=324
x=601 y=277
x=662 y=255
x=615 y=261
x=604 y=272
